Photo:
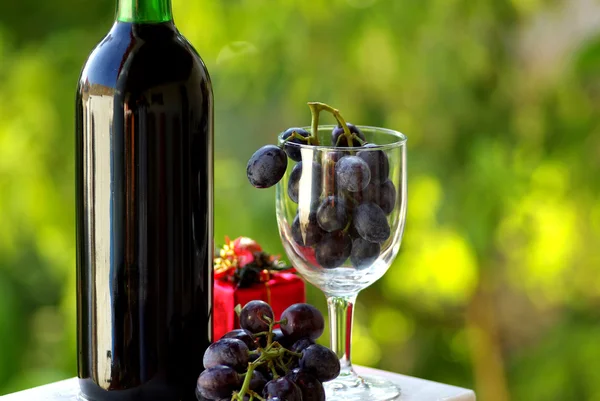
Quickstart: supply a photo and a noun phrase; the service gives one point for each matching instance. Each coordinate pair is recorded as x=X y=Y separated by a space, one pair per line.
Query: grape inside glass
x=341 y=214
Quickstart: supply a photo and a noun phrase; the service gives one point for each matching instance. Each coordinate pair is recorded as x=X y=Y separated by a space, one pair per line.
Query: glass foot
x=352 y=387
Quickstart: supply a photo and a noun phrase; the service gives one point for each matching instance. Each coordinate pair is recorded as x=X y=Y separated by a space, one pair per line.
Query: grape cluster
x=350 y=195
x=260 y=362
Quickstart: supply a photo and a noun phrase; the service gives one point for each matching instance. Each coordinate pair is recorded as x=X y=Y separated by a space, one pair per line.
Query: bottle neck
x=144 y=11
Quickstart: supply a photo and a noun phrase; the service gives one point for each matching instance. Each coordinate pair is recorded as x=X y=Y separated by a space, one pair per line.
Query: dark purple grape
x=301 y=344
x=253 y=357
x=333 y=250
x=294 y=182
x=281 y=338
x=253 y=316
x=352 y=232
x=378 y=163
x=321 y=362
x=312 y=232
x=199 y=397
x=283 y=388
x=298 y=346
x=302 y=320
x=352 y=173
x=370 y=223
x=332 y=214
x=242 y=335
x=366 y=195
x=343 y=142
x=266 y=166
x=227 y=351
x=218 y=382
x=387 y=197
x=294 y=151
x=278 y=336
x=311 y=387
x=364 y=253
x=257 y=382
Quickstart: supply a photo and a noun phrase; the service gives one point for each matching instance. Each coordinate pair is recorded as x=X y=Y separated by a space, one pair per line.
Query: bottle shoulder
x=139 y=56
x=104 y=63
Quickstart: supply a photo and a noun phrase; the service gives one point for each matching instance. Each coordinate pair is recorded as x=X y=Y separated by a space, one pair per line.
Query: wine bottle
x=144 y=178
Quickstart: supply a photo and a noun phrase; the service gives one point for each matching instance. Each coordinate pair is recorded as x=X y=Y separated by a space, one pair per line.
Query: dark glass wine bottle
x=144 y=172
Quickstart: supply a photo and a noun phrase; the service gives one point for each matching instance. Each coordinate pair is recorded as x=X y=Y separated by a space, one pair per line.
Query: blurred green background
x=497 y=285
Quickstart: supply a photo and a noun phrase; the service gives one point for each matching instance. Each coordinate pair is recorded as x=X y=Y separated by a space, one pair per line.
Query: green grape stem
x=313 y=139
x=272 y=354
x=295 y=135
x=282 y=366
x=273 y=371
x=317 y=107
x=238 y=310
x=239 y=396
x=354 y=138
x=345 y=229
x=270 y=334
x=253 y=395
x=315 y=112
x=267 y=356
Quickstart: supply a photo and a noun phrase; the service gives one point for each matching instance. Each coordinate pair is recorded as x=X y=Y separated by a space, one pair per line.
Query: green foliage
x=496 y=286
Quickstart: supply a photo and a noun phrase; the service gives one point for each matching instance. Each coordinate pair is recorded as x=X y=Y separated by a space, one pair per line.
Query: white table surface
x=413 y=389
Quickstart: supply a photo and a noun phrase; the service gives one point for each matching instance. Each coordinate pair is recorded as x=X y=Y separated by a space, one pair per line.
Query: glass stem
x=341 y=313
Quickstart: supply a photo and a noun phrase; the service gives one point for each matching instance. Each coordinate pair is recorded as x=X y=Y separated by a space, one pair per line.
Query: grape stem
x=253 y=395
x=282 y=366
x=273 y=371
x=270 y=335
x=345 y=229
x=354 y=138
x=315 y=111
x=246 y=385
x=316 y=108
x=271 y=355
x=313 y=139
x=296 y=135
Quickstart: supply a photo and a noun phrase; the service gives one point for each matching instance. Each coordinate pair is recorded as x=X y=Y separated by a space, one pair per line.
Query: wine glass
x=341 y=227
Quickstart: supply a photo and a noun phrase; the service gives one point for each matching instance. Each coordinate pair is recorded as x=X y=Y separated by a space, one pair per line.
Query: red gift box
x=243 y=272
x=281 y=291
